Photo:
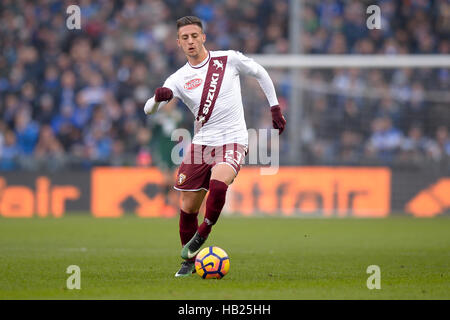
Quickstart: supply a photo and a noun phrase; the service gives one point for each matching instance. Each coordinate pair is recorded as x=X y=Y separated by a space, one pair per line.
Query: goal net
x=356 y=109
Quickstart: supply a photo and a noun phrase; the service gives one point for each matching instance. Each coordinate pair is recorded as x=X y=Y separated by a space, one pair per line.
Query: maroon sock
x=214 y=205
x=188 y=226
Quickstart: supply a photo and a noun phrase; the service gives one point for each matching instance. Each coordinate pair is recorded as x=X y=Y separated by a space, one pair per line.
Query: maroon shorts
x=195 y=170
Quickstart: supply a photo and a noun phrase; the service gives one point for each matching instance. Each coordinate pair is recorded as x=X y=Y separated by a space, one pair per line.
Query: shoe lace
x=186 y=263
x=197 y=242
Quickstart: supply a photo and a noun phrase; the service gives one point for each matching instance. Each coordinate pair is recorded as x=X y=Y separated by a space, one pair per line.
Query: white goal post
x=318 y=61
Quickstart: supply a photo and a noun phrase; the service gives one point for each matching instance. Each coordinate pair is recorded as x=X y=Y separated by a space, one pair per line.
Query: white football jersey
x=212 y=91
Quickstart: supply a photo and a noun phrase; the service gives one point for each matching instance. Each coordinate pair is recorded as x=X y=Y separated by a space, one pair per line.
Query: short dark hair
x=187 y=20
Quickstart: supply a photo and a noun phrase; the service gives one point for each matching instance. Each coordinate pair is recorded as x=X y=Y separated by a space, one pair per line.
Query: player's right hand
x=163 y=94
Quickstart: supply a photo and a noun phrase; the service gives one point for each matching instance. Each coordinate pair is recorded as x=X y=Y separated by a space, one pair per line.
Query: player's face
x=191 y=40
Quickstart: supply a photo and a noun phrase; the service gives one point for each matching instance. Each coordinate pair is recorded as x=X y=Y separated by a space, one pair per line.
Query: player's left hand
x=278 y=120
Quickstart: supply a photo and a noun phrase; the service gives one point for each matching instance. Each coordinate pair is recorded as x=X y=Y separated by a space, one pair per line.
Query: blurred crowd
x=74 y=98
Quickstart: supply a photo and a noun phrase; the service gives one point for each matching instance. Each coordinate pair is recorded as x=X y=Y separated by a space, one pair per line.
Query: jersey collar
x=203 y=63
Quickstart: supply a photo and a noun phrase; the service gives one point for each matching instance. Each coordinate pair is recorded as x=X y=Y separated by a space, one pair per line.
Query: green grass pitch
x=271 y=258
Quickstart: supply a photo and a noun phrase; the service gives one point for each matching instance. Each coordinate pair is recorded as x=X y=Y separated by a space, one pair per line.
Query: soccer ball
x=212 y=263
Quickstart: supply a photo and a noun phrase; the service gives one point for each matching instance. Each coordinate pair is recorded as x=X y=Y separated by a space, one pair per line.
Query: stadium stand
x=74 y=99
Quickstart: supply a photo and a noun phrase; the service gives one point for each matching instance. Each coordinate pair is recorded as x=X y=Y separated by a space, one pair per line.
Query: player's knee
x=224 y=173
x=217 y=186
x=217 y=193
x=189 y=206
x=190 y=203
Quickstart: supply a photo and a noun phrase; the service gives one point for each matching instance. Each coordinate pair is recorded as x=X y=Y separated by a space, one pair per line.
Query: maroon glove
x=163 y=94
x=278 y=121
